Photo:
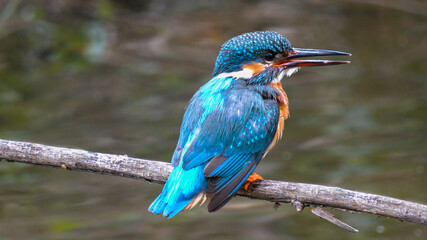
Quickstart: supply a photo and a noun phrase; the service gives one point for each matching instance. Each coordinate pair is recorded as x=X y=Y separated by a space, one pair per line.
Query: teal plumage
x=225 y=132
x=229 y=125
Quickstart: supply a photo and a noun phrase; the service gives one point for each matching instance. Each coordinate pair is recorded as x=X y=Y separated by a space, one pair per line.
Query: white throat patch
x=291 y=71
x=288 y=72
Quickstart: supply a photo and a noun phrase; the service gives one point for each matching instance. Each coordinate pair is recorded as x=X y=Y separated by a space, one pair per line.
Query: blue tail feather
x=169 y=210
x=181 y=187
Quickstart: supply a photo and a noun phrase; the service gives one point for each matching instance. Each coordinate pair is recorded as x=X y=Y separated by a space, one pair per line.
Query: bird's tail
x=183 y=190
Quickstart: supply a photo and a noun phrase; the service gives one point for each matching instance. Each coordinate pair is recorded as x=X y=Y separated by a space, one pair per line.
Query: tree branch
x=299 y=194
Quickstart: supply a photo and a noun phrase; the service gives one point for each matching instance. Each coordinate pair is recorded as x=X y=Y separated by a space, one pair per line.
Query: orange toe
x=252 y=178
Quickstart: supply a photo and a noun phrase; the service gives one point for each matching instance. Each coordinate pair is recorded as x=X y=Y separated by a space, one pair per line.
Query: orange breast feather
x=282 y=100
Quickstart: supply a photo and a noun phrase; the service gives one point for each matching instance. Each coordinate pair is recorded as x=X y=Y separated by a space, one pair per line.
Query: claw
x=252 y=178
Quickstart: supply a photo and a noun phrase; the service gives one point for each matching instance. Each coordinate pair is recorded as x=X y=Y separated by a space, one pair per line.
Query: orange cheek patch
x=256 y=68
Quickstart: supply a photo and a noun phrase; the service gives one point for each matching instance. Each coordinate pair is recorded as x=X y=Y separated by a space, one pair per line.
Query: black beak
x=290 y=62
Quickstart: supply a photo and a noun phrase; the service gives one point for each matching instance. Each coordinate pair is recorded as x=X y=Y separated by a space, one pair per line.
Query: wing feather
x=231 y=140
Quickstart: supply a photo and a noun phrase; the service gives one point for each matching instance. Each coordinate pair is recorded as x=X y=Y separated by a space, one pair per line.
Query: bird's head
x=265 y=57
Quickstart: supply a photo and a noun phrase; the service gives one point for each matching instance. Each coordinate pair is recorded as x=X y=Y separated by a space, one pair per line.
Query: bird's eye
x=269 y=56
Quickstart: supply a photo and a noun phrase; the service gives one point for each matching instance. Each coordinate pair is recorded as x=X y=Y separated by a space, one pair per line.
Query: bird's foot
x=252 y=178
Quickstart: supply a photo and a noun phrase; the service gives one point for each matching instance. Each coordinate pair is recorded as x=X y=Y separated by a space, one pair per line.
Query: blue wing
x=233 y=131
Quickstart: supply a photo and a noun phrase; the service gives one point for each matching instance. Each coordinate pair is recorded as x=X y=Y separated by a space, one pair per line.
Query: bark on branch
x=299 y=194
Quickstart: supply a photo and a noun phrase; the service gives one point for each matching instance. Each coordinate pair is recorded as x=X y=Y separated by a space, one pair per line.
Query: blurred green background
x=114 y=76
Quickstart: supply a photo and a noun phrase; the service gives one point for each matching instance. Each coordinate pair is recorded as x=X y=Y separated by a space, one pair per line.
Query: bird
x=233 y=121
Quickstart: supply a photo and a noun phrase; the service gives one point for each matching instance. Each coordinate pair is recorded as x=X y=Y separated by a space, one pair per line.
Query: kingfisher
x=233 y=121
